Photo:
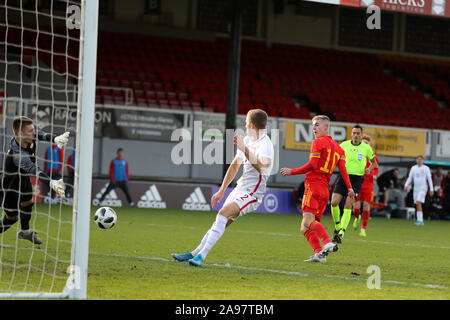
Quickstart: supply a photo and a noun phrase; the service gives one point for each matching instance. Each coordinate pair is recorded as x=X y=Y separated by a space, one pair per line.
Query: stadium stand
x=286 y=80
x=431 y=77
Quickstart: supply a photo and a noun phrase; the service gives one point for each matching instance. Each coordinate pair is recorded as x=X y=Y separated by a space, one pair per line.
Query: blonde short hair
x=321 y=117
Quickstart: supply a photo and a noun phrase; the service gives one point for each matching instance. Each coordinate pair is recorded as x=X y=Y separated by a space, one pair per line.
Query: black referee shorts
x=356 y=182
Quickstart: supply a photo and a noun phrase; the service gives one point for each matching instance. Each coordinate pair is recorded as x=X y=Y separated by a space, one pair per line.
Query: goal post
x=77 y=283
x=36 y=62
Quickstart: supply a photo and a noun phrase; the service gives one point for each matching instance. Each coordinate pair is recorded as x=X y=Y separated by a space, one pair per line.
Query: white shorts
x=419 y=195
x=246 y=202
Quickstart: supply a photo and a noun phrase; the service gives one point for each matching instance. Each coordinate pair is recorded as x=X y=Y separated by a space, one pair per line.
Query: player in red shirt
x=325 y=155
x=365 y=195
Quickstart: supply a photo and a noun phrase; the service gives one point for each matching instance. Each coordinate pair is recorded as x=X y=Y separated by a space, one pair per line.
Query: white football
x=105 y=217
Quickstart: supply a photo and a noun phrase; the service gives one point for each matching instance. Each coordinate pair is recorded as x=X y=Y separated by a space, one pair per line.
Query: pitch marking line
x=276 y=271
x=296 y=235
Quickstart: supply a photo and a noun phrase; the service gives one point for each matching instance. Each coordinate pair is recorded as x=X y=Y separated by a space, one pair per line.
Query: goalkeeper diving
x=19 y=166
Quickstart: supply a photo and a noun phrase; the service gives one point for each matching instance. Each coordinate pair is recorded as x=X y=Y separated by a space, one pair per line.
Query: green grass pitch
x=259 y=257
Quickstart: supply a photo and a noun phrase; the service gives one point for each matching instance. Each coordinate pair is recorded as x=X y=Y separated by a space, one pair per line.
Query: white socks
x=202 y=244
x=214 y=234
x=420 y=216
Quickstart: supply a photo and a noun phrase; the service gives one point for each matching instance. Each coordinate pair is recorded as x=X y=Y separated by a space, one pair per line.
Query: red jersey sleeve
x=311 y=165
x=343 y=169
x=377 y=169
x=313 y=162
x=111 y=171
x=344 y=174
x=316 y=149
x=128 y=176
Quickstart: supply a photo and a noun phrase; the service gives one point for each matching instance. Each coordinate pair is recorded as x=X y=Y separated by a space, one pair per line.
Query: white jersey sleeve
x=265 y=150
x=410 y=177
x=430 y=180
x=251 y=180
x=239 y=152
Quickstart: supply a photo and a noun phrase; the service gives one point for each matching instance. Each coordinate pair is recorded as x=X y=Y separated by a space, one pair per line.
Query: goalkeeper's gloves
x=62 y=140
x=58 y=186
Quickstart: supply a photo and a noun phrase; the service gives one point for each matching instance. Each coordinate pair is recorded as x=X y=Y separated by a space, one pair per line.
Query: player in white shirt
x=256 y=152
x=419 y=175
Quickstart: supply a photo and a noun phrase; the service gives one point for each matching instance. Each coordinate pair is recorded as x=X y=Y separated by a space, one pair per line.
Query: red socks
x=318 y=228
x=357 y=212
x=313 y=240
x=314 y=234
x=365 y=219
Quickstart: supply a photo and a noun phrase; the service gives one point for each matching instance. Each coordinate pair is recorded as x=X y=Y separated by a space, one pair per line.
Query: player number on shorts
x=330 y=169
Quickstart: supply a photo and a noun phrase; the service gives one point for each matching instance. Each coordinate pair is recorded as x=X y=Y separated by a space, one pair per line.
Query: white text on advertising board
x=303 y=133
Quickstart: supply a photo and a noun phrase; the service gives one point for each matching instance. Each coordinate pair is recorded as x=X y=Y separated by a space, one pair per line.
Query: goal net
x=45 y=49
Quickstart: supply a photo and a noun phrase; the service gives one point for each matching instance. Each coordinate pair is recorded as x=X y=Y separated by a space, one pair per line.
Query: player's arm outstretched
x=312 y=164
x=60 y=140
x=22 y=160
x=229 y=176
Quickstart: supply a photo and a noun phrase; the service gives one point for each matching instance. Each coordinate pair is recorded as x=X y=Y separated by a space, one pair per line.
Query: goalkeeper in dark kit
x=19 y=165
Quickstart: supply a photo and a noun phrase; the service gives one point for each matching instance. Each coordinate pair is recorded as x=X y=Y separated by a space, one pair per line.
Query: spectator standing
x=118 y=176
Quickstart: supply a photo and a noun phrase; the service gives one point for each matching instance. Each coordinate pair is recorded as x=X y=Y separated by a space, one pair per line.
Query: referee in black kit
x=20 y=164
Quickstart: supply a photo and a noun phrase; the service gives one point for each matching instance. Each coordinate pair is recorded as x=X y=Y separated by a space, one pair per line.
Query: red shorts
x=315 y=199
x=365 y=195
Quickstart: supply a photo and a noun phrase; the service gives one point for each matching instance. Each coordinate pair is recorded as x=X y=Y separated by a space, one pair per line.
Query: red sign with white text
x=422 y=7
x=407 y=6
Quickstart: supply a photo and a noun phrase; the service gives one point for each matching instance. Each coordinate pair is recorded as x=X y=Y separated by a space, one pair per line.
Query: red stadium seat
x=193 y=74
